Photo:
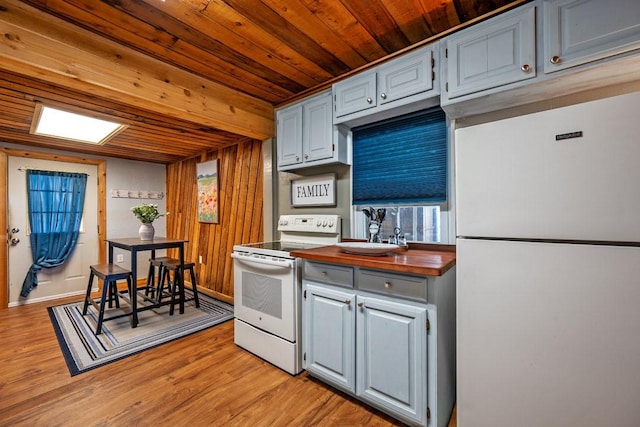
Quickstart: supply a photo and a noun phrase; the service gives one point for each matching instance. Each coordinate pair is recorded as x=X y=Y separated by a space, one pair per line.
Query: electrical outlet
x=200 y=259
x=120 y=258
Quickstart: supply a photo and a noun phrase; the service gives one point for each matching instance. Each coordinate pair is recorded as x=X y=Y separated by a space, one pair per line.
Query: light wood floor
x=200 y=380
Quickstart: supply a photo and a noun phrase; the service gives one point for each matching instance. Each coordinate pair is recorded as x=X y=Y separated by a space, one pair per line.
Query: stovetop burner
x=297 y=232
x=282 y=246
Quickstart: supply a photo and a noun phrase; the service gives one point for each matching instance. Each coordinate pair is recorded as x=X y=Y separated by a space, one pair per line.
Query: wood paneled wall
x=240 y=212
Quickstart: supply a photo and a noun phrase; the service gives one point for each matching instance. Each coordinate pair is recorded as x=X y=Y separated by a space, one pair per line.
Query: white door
x=71 y=277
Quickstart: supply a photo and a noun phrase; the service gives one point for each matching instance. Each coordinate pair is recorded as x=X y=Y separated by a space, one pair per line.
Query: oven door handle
x=289 y=263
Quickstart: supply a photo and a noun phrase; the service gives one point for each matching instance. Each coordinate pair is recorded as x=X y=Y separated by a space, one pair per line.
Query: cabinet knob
x=348 y=302
x=387 y=285
x=369 y=100
x=297 y=159
x=306 y=156
x=383 y=95
x=526 y=68
x=324 y=274
x=360 y=304
x=555 y=59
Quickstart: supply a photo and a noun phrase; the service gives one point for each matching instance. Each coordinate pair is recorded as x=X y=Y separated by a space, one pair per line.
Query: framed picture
x=317 y=190
x=208 y=201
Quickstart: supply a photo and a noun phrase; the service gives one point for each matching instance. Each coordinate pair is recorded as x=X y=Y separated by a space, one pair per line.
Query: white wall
x=131 y=175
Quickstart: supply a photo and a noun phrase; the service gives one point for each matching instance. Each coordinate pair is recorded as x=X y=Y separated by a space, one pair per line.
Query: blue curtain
x=56 y=201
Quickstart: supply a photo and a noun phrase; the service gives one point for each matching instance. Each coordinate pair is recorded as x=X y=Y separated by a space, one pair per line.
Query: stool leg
x=193 y=287
x=132 y=293
x=88 y=295
x=164 y=277
x=172 y=287
x=180 y=272
x=151 y=280
x=105 y=285
x=113 y=294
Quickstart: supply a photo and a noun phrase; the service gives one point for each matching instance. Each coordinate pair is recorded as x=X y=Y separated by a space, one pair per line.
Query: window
x=400 y=165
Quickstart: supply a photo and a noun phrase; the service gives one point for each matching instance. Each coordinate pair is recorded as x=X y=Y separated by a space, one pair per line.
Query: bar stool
x=152 y=283
x=109 y=274
x=176 y=285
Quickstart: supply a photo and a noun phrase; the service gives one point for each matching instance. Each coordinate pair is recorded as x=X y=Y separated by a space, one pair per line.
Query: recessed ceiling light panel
x=72 y=126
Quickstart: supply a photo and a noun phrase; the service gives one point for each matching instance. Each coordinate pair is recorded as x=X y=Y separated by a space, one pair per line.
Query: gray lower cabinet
x=375 y=335
x=391 y=365
x=329 y=325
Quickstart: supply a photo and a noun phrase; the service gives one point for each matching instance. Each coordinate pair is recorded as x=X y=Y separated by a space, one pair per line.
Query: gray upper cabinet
x=402 y=81
x=492 y=53
x=289 y=136
x=355 y=94
x=580 y=31
x=306 y=135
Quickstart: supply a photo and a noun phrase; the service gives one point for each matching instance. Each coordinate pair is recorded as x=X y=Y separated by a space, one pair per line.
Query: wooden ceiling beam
x=37 y=45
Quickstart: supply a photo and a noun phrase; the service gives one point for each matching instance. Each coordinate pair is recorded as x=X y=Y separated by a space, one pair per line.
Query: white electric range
x=268 y=288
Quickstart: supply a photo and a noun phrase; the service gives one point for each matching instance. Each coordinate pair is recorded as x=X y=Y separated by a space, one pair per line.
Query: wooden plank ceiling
x=197 y=75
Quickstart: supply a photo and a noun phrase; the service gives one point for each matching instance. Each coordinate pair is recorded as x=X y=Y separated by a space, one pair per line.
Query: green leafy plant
x=147 y=212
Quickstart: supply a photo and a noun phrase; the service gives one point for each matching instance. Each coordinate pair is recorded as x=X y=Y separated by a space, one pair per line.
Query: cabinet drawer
x=330 y=274
x=397 y=285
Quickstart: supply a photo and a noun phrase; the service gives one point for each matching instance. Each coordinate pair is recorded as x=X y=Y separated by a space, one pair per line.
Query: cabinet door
x=405 y=76
x=392 y=356
x=289 y=138
x=317 y=129
x=328 y=335
x=580 y=31
x=355 y=94
x=493 y=53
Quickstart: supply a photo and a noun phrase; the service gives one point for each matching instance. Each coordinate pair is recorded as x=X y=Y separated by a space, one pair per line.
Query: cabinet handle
x=526 y=68
x=323 y=274
x=348 y=302
x=555 y=59
x=383 y=95
x=387 y=285
x=360 y=304
x=369 y=100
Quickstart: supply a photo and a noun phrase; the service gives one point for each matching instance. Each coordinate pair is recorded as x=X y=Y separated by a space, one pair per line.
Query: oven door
x=265 y=293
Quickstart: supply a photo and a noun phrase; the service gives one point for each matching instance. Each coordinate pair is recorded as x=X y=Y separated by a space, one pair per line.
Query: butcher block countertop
x=423 y=259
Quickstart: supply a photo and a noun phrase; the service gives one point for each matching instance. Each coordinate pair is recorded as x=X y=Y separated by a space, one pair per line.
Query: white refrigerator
x=548 y=268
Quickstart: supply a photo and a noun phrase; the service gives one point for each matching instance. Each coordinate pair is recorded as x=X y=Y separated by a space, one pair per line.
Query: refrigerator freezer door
x=547 y=334
x=515 y=180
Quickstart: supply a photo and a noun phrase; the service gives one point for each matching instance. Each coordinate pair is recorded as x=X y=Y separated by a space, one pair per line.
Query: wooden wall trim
x=4 y=264
x=40 y=46
x=102 y=203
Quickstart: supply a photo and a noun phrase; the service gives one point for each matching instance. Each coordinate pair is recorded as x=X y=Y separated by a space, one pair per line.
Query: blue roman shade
x=401 y=160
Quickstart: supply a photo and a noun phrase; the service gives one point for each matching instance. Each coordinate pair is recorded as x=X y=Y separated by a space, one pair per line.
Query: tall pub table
x=135 y=245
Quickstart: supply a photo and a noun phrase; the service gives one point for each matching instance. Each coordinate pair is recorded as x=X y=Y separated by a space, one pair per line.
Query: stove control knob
x=324 y=223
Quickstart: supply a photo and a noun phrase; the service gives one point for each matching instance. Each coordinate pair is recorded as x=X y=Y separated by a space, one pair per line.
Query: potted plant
x=146 y=214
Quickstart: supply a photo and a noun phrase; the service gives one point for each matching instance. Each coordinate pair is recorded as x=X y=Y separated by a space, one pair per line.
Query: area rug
x=83 y=350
